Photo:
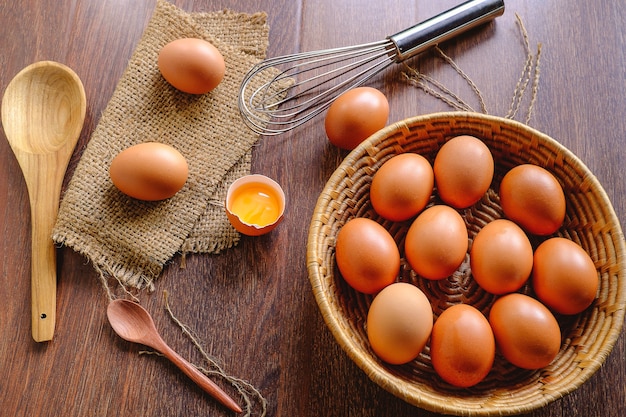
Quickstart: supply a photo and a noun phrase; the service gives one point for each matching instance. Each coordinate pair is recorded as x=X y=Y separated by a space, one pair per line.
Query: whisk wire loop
x=330 y=72
x=309 y=85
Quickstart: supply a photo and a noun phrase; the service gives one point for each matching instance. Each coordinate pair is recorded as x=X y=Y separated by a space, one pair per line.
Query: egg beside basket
x=587 y=338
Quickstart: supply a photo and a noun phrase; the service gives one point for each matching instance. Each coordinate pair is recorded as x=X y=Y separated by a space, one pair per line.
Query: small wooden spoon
x=43 y=110
x=134 y=324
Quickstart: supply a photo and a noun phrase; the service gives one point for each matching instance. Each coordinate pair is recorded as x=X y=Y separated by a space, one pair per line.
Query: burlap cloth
x=132 y=240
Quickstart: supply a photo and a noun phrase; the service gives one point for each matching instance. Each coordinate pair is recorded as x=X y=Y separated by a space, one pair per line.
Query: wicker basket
x=590 y=221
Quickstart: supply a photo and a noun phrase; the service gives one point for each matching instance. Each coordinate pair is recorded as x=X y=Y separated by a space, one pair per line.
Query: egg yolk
x=255 y=204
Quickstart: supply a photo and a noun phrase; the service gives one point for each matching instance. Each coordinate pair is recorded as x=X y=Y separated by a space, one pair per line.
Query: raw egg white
x=255 y=204
x=402 y=186
x=462 y=346
x=399 y=323
x=355 y=115
x=191 y=65
x=149 y=171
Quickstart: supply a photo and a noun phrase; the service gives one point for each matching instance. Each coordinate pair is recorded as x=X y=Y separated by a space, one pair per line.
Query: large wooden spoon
x=43 y=110
x=134 y=324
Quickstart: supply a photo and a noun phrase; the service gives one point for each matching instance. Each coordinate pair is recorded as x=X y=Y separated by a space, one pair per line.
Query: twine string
x=530 y=76
x=247 y=391
x=527 y=75
x=535 y=86
x=434 y=88
x=463 y=75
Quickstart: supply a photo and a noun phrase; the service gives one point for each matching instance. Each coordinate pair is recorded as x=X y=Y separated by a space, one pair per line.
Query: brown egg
x=526 y=332
x=149 y=171
x=402 y=186
x=399 y=322
x=462 y=346
x=533 y=198
x=191 y=65
x=501 y=257
x=355 y=115
x=463 y=171
x=564 y=276
x=367 y=256
x=436 y=243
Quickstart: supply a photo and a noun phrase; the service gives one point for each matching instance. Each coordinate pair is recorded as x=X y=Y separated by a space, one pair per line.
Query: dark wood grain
x=252 y=306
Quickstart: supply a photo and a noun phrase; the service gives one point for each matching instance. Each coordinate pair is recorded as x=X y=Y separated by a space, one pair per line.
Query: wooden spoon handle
x=44 y=209
x=200 y=379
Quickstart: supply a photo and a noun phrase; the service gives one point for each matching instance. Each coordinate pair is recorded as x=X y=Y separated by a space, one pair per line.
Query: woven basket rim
x=367 y=363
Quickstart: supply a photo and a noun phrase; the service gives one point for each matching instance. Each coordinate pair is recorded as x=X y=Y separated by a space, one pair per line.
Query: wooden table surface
x=252 y=305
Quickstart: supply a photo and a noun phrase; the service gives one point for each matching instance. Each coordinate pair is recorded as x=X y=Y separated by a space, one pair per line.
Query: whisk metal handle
x=444 y=26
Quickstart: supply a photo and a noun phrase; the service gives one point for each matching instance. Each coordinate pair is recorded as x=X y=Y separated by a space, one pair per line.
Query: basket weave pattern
x=590 y=222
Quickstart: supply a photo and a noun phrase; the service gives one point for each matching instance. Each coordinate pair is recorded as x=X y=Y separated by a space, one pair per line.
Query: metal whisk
x=281 y=93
